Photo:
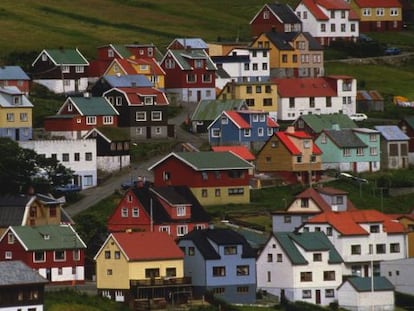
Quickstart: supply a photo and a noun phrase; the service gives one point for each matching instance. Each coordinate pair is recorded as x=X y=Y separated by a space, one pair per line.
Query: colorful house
x=300 y=267
x=106 y=82
x=15 y=114
x=55 y=251
x=170 y=209
x=292 y=155
x=142 y=269
x=188 y=44
x=243 y=127
x=222 y=262
x=213 y=177
x=78 y=115
x=407 y=126
x=394 y=147
x=15 y=76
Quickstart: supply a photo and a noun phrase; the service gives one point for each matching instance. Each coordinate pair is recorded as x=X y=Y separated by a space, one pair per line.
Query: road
x=94 y=195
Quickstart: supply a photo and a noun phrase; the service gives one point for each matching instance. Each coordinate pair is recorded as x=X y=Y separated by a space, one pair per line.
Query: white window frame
x=182 y=230
x=247 y=132
x=215 y=132
x=8 y=255
x=10 y=117
x=181 y=211
x=164 y=229
x=44 y=256
x=65 y=69
x=149 y=100
x=140 y=116
x=108 y=120
x=79 y=69
x=260 y=131
x=156 y=115
x=91 y=120
x=135 y=212
x=59 y=260
x=124 y=212
x=24 y=117
x=191 y=80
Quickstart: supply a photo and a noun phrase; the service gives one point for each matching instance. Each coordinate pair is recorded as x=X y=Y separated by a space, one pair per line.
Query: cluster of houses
x=161 y=246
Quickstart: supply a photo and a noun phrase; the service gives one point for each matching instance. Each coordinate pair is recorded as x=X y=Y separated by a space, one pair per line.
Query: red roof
x=288 y=143
x=237 y=119
x=271 y=123
x=378 y=3
x=241 y=151
x=305 y=87
x=141 y=246
x=127 y=66
x=134 y=93
x=284 y=138
x=315 y=195
x=315 y=10
x=348 y=223
x=333 y=4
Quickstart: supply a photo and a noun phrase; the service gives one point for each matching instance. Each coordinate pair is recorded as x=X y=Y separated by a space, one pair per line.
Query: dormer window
x=181 y=211
x=266 y=14
x=17 y=100
x=46 y=236
x=224 y=120
x=44 y=57
x=70 y=107
x=148 y=100
x=150 y=51
x=10 y=238
x=65 y=69
x=198 y=63
x=230 y=250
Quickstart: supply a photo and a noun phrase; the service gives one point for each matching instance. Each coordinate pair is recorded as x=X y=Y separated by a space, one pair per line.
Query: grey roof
x=230 y=59
x=192 y=43
x=314 y=44
x=363 y=284
x=12 y=73
x=12 y=209
x=285 y=13
x=221 y=73
x=282 y=39
x=128 y=81
x=6 y=97
x=208 y=110
x=345 y=138
x=391 y=132
x=17 y=273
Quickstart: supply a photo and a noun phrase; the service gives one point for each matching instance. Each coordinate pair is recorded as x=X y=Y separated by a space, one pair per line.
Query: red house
x=213 y=177
x=78 y=115
x=173 y=210
x=55 y=251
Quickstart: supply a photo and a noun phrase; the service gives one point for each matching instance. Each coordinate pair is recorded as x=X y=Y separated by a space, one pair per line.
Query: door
x=318 y=296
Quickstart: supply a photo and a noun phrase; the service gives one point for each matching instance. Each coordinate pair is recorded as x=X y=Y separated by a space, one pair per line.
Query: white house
x=328 y=21
x=300 y=267
x=77 y=155
x=364 y=238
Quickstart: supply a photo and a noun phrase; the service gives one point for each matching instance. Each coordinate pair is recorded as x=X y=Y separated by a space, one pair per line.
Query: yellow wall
x=280 y=157
x=224 y=198
x=373 y=17
x=296 y=207
x=16 y=111
x=406 y=222
x=137 y=269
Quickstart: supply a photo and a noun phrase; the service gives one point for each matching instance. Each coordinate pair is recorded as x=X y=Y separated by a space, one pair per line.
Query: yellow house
x=407 y=220
x=140 y=268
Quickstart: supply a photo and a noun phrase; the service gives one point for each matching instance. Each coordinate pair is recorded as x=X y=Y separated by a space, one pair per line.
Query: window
x=10 y=117
x=191 y=78
x=393 y=12
x=373 y=151
x=65 y=157
x=8 y=255
x=306 y=276
x=287 y=219
x=235 y=191
x=242 y=289
x=219 y=271
x=182 y=230
x=291 y=102
x=329 y=275
x=76 y=255
x=135 y=212
x=381 y=249
x=260 y=131
x=152 y=273
x=219 y=290
x=366 y=12
x=230 y=250
x=267 y=102
x=10 y=238
x=266 y=14
x=215 y=132
x=124 y=212
x=217 y=192
x=360 y=151
x=39 y=256
x=65 y=69
x=304 y=202
x=346 y=152
x=333 y=28
x=247 y=132
x=279 y=257
x=108 y=271
x=88 y=156
x=108 y=119
x=255 y=67
x=317 y=257
x=329 y=293
x=191 y=251
x=269 y=257
x=242 y=270
x=156 y=115
x=206 y=78
x=107 y=254
x=79 y=69
x=59 y=255
x=329 y=231
x=169 y=63
x=323 y=27
x=356 y=249
x=204 y=193
x=117 y=254
x=380 y=11
x=23 y=117
x=306 y=294
x=394 y=247
x=284 y=58
x=181 y=210
x=374 y=228
x=343 y=27
x=171 y=272
x=91 y=120
x=140 y=116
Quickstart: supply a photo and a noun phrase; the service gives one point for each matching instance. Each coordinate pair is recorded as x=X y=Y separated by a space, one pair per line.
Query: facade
x=222 y=262
x=364 y=238
x=15 y=76
x=292 y=155
x=328 y=21
x=356 y=150
x=21 y=288
x=407 y=126
x=244 y=127
x=394 y=147
x=55 y=251
x=213 y=177
x=379 y=16
x=400 y=273
x=171 y=209
x=145 y=279
x=15 y=114
x=78 y=115
x=325 y=95
x=275 y=17
x=78 y=155
x=61 y=70
x=300 y=267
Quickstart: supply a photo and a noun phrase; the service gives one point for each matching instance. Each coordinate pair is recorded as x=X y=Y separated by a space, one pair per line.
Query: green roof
x=410 y=121
x=183 y=56
x=67 y=57
x=319 y=122
x=364 y=284
x=114 y=133
x=209 y=109
x=309 y=241
x=48 y=237
x=122 y=50
x=94 y=106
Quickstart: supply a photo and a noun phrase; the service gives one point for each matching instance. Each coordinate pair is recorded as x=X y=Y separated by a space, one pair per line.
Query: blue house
x=242 y=127
x=222 y=262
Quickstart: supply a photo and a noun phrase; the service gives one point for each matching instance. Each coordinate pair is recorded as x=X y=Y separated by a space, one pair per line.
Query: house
x=400 y=273
x=207 y=111
x=407 y=220
x=61 y=70
x=213 y=177
x=258 y=95
x=107 y=82
x=112 y=148
x=21 y=288
x=190 y=74
x=369 y=100
x=313 y=124
x=79 y=155
x=146 y=279
x=407 y=126
x=55 y=251
x=188 y=44
x=324 y=95
x=222 y=262
x=243 y=127
x=356 y=150
x=31 y=210
x=278 y=17
x=171 y=209
x=292 y=155
x=360 y=294
x=328 y=20
x=292 y=54
x=78 y=115
x=364 y=238
x=393 y=146
x=378 y=16
x=15 y=76
x=222 y=48
x=241 y=151
x=15 y=114
x=142 y=110
x=310 y=202
x=300 y=267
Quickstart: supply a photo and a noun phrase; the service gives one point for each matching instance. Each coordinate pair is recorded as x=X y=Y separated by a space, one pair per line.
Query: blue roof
x=128 y=81
x=194 y=43
x=12 y=73
x=391 y=132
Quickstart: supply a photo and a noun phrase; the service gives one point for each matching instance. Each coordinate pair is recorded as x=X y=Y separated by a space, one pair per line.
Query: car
x=364 y=38
x=392 y=51
x=358 y=116
x=68 y=188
